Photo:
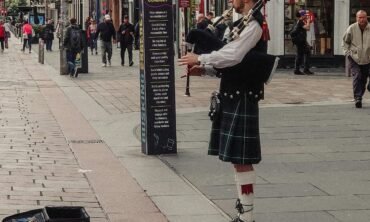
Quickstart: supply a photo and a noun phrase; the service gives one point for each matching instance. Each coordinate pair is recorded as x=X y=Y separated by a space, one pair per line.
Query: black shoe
x=131 y=63
x=308 y=72
x=298 y=72
x=358 y=103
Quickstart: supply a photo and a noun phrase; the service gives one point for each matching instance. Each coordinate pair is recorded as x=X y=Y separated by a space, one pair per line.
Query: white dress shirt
x=233 y=53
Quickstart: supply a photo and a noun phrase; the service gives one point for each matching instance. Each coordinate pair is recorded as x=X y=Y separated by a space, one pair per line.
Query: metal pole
x=178 y=29
x=62 y=25
x=187 y=91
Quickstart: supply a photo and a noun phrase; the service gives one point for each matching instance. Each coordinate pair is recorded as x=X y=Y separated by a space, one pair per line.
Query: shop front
x=329 y=20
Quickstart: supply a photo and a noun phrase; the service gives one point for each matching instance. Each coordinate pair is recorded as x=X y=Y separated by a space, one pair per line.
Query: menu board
x=157 y=83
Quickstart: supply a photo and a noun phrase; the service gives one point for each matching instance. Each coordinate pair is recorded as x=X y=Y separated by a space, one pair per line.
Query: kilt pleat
x=235 y=133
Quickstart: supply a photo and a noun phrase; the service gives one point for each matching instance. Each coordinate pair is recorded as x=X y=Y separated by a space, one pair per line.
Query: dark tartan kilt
x=235 y=134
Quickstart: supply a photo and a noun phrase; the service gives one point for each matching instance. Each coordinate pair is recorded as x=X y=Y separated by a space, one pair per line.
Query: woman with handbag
x=27 y=35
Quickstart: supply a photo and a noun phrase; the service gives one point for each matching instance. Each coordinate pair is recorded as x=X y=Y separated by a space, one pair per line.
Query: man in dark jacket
x=48 y=35
x=74 y=44
x=107 y=32
x=303 y=48
x=126 y=32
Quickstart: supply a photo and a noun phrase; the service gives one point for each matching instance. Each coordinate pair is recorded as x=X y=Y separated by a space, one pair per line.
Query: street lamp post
x=62 y=24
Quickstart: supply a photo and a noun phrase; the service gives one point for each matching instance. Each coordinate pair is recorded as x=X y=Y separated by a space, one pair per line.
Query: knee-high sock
x=244 y=184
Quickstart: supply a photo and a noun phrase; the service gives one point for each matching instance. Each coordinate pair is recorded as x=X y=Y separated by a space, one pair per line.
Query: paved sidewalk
x=315 y=143
x=37 y=166
x=52 y=156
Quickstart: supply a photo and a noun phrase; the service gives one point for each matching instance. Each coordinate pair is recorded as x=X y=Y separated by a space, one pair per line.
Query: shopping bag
x=78 y=60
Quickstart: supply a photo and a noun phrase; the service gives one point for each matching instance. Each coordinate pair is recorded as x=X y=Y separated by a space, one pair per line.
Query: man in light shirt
x=356 y=45
x=235 y=130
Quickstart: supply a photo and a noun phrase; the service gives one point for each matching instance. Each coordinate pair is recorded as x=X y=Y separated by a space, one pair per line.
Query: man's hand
x=195 y=71
x=189 y=59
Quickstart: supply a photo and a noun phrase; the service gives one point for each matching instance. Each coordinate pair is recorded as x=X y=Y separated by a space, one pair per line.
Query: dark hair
x=125 y=17
x=210 y=14
x=73 y=21
x=297 y=14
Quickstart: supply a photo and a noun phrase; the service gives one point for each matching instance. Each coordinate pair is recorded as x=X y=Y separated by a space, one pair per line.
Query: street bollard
x=41 y=51
x=84 y=55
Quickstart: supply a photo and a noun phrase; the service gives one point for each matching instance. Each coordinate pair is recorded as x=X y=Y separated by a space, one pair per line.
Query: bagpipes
x=204 y=41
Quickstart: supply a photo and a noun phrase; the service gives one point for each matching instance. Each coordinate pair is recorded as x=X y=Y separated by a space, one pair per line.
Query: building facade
x=330 y=20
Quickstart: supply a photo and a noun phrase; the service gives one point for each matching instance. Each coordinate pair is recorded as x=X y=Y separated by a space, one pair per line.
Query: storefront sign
x=157 y=86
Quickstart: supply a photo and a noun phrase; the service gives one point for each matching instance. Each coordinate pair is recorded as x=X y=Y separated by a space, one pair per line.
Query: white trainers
x=104 y=65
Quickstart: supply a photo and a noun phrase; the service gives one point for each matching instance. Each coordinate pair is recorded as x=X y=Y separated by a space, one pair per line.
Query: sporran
x=215 y=106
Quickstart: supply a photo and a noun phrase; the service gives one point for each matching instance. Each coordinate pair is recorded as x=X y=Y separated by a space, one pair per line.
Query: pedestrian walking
x=48 y=35
x=2 y=35
x=91 y=36
x=27 y=31
x=106 y=32
x=299 y=39
x=126 y=33
x=356 y=45
x=7 y=33
x=74 y=45
x=235 y=129
x=87 y=22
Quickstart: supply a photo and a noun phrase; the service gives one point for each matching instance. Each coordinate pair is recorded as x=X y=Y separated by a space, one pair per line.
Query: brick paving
x=37 y=166
x=115 y=88
x=122 y=96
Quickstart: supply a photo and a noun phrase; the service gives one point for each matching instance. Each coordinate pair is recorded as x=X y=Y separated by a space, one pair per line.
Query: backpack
x=75 y=39
x=296 y=35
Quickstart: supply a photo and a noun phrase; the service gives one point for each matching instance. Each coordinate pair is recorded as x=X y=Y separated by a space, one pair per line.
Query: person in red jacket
x=2 y=35
x=27 y=35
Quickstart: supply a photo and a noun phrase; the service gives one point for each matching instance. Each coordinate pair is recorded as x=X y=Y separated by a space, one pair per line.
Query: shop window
x=320 y=35
x=358 y=5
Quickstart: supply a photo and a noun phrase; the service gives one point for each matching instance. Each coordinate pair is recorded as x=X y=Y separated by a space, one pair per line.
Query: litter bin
x=51 y=214
x=84 y=55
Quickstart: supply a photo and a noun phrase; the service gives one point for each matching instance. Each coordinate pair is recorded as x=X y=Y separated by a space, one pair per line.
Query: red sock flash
x=247 y=189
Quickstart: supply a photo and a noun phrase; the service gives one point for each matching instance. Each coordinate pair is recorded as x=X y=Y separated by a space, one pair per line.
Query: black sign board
x=157 y=83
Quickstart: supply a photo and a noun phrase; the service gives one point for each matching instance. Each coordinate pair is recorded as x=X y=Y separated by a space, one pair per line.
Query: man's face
x=125 y=20
x=238 y=5
x=361 y=18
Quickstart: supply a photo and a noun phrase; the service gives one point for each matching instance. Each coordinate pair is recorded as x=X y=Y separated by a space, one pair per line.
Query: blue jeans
x=106 y=48
x=49 y=44
x=29 y=41
x=71 y=61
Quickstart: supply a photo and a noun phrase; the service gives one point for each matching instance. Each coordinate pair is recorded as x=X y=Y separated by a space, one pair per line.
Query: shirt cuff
x=209 y=70
x=202 y=60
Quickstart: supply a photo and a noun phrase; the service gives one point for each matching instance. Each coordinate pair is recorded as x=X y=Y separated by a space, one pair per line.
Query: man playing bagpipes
x=235 y=128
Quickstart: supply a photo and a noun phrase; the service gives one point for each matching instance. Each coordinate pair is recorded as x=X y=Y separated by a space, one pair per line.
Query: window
x=357 y=5
x=320 y=35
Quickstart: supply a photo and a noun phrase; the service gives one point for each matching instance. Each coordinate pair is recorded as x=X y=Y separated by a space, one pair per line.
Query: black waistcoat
x=235 y=79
